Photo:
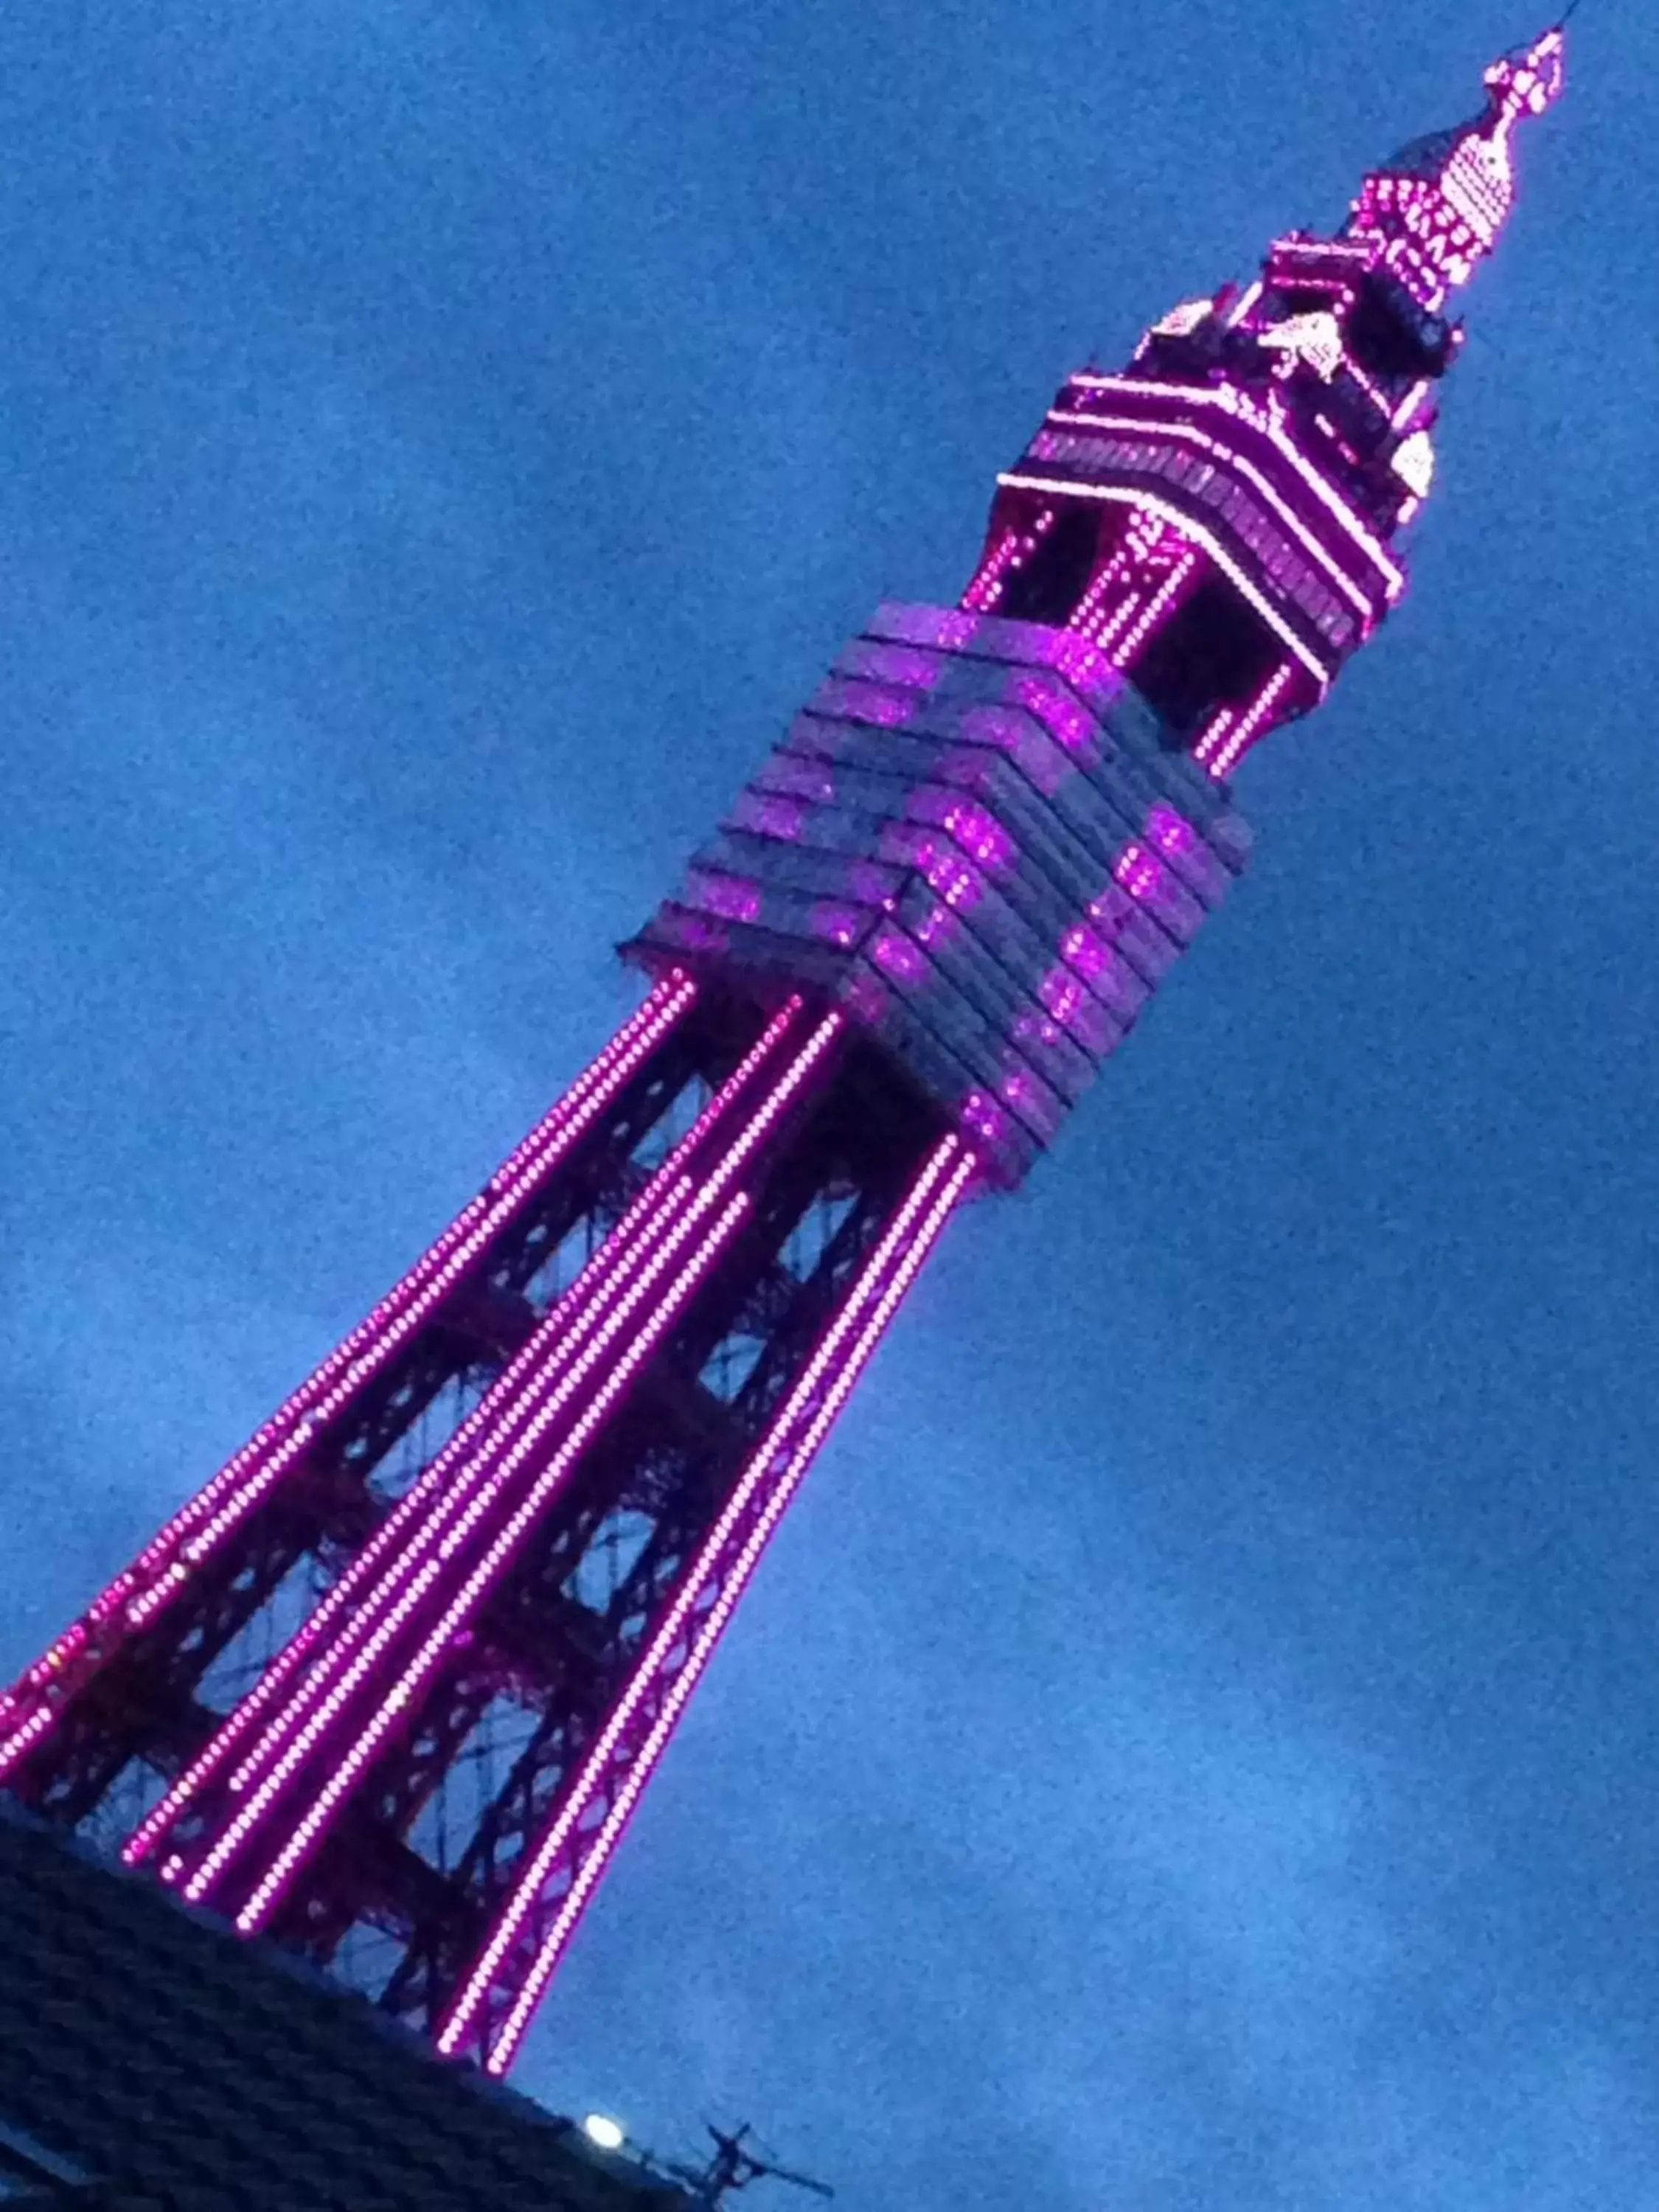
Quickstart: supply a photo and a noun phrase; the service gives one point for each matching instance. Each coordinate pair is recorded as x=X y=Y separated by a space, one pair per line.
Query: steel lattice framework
x=391 y=1684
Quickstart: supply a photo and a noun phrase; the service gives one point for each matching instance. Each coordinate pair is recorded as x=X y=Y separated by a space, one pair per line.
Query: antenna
x=734 y=2167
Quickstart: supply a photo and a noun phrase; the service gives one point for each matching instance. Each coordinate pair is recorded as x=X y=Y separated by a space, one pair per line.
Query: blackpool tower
x=389 y=1686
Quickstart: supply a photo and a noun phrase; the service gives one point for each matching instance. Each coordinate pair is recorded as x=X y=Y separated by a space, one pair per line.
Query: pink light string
x=402 y=1698
x=1234 y=570
x=161 y=1570
x=1013 y=549
x=1225 y=454
x=985 y=587
x=1233 y=401
x=708 y=1593
x=1118 y=592
x=412 y=1582
x=441 y=1493
x=348 y=1664
x=455 y=1517
x=1230 y=733
x=1161 y=606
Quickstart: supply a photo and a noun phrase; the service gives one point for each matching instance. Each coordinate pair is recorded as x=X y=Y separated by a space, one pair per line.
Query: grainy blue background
x=1191 y=1744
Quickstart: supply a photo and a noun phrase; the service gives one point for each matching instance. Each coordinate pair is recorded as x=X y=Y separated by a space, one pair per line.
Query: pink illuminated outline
x=1432 y=230
x=246 y=1477
x=487 y=1431
x=1223 y=742
x=300 y=1740
x=1205 y=750
x=305 y=1837
x=1009 y=551
x=1160 y=606
x=540 y=1409
x=987 y=586
x=845 y=1347
x=1373 y=392
x=895 y=955
x=1105 y=631
x=1227 y=400
x=1095 y=618
x=1065 y=997
x=1310 y=541
x=1320 y=249
x=979 y=833
x=985 y=1117
x=734 y=898
x=572 y=1125
x=1070 y=725
x=1169 y=830
x=346 y=1663
x=719 y=1614
x=1087 y=612
x=1119 y=495
x=1140 y=871
x=1409 y=406
x=608 y=1272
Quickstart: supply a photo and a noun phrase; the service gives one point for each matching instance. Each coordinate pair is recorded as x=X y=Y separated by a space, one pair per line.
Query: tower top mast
x=1438 y=207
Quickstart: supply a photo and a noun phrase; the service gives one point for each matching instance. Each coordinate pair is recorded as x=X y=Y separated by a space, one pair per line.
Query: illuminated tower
x=390 y=1685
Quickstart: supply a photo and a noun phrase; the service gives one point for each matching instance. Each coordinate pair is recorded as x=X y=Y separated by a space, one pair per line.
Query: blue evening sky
x=1192 y=1745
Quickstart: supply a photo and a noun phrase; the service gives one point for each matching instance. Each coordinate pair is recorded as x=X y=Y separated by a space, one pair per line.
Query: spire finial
x=1526 y=82
x=1437 y=208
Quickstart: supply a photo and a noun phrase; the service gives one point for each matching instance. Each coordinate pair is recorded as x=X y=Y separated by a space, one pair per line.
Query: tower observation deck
x=390 y=1684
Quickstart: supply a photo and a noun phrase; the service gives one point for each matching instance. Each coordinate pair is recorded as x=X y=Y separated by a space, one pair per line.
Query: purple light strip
x=1230 y=458
x=985 y=589
x=347 y=1662
x=1140 y=874
x=1090 y=611
x=274 y=1447
x=653 y=1213
x=1096 y=617
x=1121 y=496
x=1227 y=745
x=295 y=1735
x=482 y=1437
x=402 y=1697
x=512 y=1186
x=606 y=1271
x=1319 y=249
x=1378 y=398
x=1107 y=630
x=1225 y=397
x=1161 y=605
x=845 y=1347
x=1214 y=732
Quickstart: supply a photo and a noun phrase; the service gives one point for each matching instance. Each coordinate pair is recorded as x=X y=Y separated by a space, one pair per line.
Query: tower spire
x=1438 y=206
